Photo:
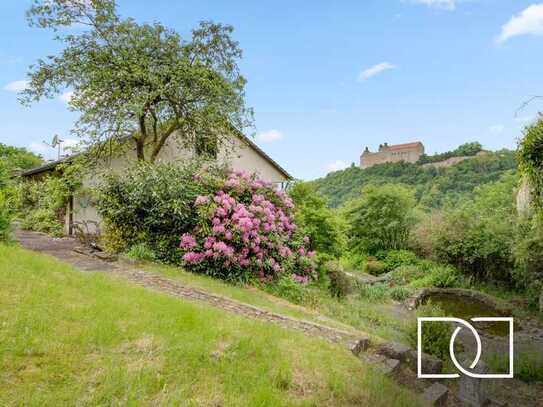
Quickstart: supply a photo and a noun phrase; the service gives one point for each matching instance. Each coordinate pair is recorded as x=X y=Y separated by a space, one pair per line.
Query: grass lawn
x=69 y=338
x=366 y=314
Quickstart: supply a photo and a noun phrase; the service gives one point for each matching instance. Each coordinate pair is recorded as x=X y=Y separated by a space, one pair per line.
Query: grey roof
x=50 y=166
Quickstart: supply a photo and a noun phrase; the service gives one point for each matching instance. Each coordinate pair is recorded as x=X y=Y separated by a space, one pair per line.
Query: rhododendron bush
x=245 y=230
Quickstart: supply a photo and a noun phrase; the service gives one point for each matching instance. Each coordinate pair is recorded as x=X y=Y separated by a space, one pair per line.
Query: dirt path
x=62 y=249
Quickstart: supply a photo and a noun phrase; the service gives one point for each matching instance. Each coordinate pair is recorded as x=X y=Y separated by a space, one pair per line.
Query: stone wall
x=410 y=152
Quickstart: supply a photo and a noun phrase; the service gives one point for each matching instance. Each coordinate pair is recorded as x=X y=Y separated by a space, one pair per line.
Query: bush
x=374 y=292
x=41 y=204
x=245 y=230
x=5 y=218
x=153 y=204
x=340 y=285
x=140 y=251
x=397 y=258
x=317 y=221
x=406 y=274
x=381 y=219
x=374 y=267
x=399 y=293
x=477 y=236
x=435 y=335
x=440 y=277
x=286 y=286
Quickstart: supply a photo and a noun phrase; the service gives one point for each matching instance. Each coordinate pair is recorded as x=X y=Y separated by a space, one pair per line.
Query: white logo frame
x=422 y=375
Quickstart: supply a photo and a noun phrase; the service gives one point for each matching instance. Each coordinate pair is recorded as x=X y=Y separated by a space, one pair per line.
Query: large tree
x=142 y=82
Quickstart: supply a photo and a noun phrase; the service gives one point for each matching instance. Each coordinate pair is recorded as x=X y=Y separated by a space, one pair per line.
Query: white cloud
x=337 y=165
x=375 y=70
x=66 y=97
x=497 y=128
x=442 y=4
x=17 y=86
x=529 y=21
x=269 y=136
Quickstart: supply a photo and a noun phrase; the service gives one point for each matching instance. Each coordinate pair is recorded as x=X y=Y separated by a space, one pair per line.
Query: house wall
x=237 y=153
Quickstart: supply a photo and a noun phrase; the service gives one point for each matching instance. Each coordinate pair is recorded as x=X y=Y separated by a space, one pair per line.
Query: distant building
x=409 y=152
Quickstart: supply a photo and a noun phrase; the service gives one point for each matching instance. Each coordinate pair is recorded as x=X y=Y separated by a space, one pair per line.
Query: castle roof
x=404 y=146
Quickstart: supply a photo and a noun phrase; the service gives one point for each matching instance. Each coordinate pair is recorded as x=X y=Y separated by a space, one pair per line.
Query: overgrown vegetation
x=434 y=187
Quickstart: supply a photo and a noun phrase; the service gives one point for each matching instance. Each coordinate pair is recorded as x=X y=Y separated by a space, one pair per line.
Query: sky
x=328 y=78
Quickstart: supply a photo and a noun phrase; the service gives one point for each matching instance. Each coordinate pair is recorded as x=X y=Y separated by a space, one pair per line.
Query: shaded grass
x=69 y=338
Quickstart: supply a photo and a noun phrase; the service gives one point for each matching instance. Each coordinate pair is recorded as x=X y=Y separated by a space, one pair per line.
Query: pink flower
x=187 y=241
x=192 y=257
x=201 y=200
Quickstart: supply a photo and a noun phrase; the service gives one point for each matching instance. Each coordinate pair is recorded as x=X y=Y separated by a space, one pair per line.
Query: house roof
x=50 y=166
x=405 y=145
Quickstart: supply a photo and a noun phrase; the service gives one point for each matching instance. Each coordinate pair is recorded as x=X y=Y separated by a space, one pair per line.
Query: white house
x=240 y=153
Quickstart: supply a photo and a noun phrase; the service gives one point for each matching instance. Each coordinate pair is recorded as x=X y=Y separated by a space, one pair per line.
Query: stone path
x=62 y=248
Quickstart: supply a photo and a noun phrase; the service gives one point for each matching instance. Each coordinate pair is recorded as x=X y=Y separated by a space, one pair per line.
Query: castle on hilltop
x=409 y=152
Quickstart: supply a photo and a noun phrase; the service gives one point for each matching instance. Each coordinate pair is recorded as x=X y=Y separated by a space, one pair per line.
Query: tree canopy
x=141 y=82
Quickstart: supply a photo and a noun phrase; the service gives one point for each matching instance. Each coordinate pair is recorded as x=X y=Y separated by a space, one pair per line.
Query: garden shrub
x=397 y=258
x=154 y=204
x=399 y=293
x=140 y=251
x=41 y=204
x=435 y=335
x=320 y=223
x=440 y=276
x=244 y=230
x=374 y=292
x=406 y=274
x=381 y=219
x=5 y=218
x=340 y=284
x=287 y=286
x=374 y=267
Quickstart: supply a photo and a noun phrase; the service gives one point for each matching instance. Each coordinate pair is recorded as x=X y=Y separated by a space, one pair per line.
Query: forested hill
x=433 y=186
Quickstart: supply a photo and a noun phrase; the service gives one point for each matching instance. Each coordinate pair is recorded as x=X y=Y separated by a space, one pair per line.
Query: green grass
x=358 y=311
x=71 y=338
x=247 y=294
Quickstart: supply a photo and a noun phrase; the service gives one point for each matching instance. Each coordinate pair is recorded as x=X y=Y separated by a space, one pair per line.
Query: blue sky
x=328 y=78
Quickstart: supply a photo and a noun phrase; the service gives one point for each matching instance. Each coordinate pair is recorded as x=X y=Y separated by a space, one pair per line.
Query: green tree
x=320 y=223
x=140 y=82
x=477 y=236
x=381 y=219
x=17 y=158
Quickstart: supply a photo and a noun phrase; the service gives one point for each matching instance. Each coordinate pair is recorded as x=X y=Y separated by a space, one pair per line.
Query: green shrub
x=399 y=293
x=380 y=219
x=406 y=274
x=154 y=204
x=288 y=288
x=397 y=258
x=141 y=252
x=374 y=292
x=42 y=204
x=528 y=366
x=316 y=220
x=340 y=285
x=5 y=218
x=374 y=267
x=435 y=335
x=440 y=277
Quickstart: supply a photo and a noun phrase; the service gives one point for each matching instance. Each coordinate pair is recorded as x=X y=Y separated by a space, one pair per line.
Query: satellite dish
x=56 y=142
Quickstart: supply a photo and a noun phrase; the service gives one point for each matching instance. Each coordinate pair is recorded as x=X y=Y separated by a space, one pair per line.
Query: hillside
x=434 y=186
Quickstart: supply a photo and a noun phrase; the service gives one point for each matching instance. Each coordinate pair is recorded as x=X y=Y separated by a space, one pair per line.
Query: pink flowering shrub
x=245 y=230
